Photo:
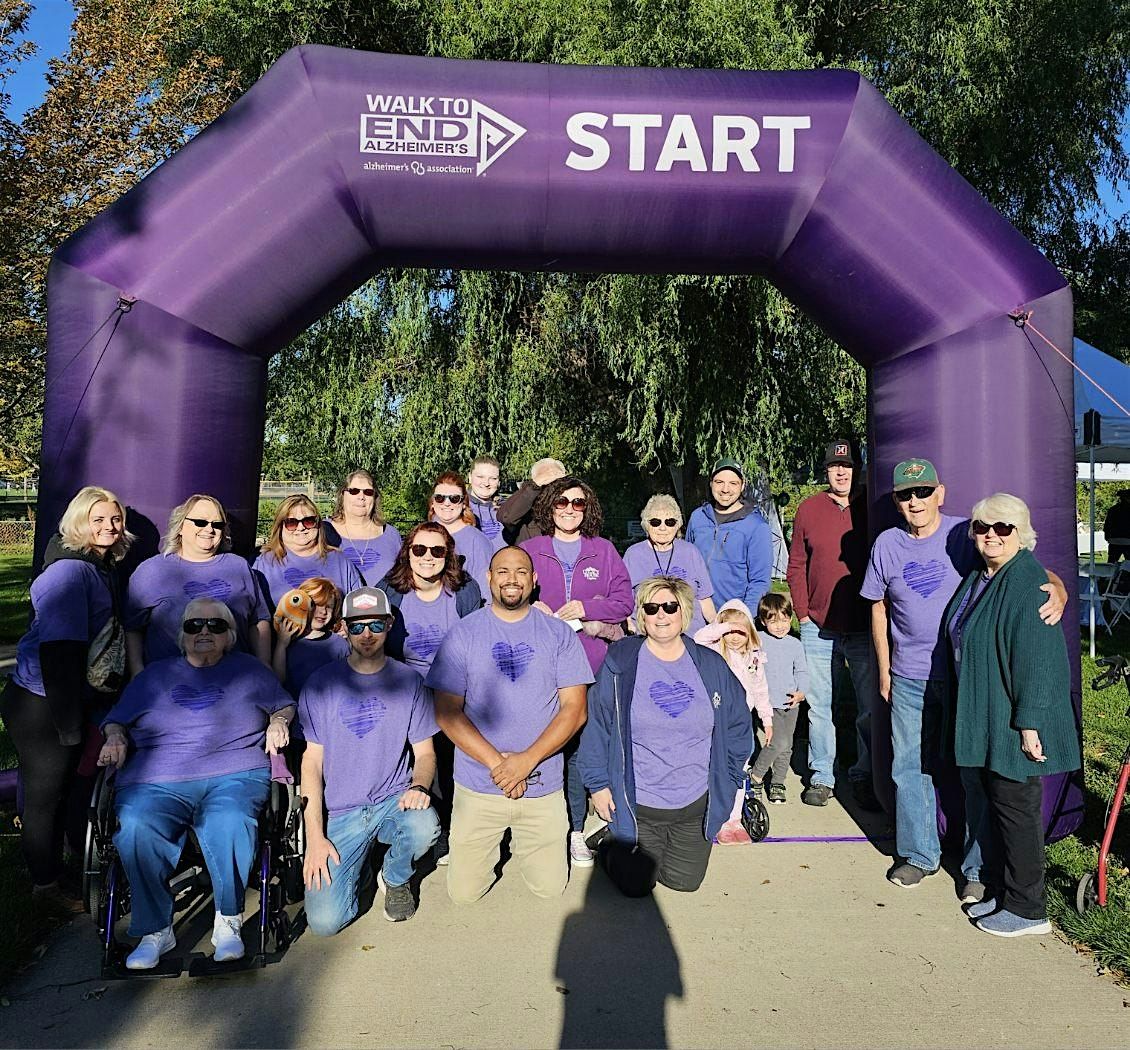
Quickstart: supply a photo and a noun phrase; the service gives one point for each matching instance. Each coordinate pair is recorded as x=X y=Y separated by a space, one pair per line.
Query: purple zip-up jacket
x=600 y=580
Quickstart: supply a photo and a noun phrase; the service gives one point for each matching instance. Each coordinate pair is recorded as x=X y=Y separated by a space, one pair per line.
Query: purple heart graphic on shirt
x=367 y=558
x=491 y=528
x=512 y=660
x=196 y=699
x=424 y=638
x=677 y=571
x=363 y=717
x=671 y=699
x=924 y=578
x=215 y=588
x=295 y=576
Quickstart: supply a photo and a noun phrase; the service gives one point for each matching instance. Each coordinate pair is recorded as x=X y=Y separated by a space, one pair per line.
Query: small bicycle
x=755 y=817
x=1091 y=891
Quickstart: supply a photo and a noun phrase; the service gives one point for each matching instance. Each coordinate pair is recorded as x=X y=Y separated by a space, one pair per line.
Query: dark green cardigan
x=1014 y=675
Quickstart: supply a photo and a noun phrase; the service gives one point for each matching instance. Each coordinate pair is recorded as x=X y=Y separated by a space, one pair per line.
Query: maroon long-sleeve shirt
x=827 y=561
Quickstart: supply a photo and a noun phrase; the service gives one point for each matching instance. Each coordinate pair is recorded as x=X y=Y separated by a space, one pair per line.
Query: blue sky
x=50 y=26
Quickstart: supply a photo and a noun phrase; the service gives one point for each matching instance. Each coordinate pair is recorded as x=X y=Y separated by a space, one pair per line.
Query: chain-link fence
x=16 y=535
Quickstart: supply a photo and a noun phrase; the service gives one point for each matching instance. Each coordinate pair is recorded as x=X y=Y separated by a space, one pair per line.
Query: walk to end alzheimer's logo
x=433 y=134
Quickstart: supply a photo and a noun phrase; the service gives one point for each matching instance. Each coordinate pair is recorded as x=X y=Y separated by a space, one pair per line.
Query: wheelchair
x=277 y=875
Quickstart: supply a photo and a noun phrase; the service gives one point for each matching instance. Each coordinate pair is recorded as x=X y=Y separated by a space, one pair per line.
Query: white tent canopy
x=1113 y=376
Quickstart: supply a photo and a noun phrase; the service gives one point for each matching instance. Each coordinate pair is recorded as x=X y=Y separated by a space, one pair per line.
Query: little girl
x=733 y=636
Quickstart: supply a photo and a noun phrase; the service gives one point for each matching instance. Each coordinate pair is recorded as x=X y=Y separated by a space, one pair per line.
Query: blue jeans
x=153 y=822
x=408 y=833
x=982 y=861
x=917 y=711
x=826 y=652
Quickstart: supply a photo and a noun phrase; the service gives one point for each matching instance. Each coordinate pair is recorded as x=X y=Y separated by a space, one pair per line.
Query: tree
x=116 y=106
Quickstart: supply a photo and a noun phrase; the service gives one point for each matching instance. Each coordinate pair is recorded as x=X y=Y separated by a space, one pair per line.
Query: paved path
x=785 y=945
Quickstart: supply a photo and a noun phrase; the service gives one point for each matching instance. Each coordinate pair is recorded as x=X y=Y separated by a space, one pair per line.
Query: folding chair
x=1089 y=595
x=1117 y=595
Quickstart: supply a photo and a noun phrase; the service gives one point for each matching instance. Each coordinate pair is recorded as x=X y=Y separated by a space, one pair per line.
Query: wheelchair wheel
x=95 y=859
x=755 y=818
x=1087 y=893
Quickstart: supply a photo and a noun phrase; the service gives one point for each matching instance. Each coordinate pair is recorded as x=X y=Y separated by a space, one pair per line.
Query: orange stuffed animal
x=295 y=607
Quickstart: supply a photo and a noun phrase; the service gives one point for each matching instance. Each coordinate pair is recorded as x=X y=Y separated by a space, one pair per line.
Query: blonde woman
x=48 y=701
x=664 y=554
x=195 y=562
x=665 y=746
x=357 y=526
x=296 y=550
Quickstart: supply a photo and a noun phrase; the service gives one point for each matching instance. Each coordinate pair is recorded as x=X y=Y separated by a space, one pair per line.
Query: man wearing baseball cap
x=734 y=540
x=360 y=716
x=914 y=570
x=827 y=558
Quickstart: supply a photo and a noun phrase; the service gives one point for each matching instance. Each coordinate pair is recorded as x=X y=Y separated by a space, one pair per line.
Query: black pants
x=1018 y=819
x=670 y=849
x=47 y=773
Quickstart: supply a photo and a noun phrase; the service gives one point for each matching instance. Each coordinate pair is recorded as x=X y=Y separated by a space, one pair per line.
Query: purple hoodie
x=600 y=580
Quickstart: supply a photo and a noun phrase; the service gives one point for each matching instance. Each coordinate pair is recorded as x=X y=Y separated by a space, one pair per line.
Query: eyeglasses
x=669 y=522
x=921 y=492
x=651 y=608
x=213 y=625
x=1001 y=528
x=454 y=499
x=203 y=523
x=420 y=549
x=291 y=524
x=577 y=504
x=361 y=492
x=358 y=627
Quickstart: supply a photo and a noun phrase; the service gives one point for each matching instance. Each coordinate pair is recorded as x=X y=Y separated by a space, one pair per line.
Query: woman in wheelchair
x=190 y=739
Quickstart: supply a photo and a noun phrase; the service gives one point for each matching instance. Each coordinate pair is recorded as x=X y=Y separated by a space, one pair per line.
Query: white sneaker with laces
x=226 y=936
x=579 y=852
x=148 y=953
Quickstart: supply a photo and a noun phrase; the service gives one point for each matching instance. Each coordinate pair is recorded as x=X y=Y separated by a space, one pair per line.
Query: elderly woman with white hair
x=1013 y=717
x=664 y=554
x=190 y=739
x=664 y=748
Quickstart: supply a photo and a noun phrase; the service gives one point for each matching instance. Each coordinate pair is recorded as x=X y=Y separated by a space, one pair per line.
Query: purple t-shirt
x=187 y=723
x=683 y=561
x=567 y=551
x=161 y=587
x=278 y=577
x=71 y=603
x=426 y=625
x=366 y=723
x=373 y=558
x=489 y=525
x=476 y=551
x=918 y=577
x=672 y=725
x=305 y=655
x=508 y=675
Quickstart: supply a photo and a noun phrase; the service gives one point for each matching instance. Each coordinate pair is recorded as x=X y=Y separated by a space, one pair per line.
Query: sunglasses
x=213 y=625
x=1001 y=528
x=921 y=492
x=669 y=522
x=651 y=608
x=291 y=524
x=454 y=500
x=420 y=549
x=361 y=492
x=203 y=523
x=577 y=504
x=358 y=627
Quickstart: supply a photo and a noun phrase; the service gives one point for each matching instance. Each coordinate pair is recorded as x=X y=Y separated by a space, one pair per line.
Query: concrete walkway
x=798 y=944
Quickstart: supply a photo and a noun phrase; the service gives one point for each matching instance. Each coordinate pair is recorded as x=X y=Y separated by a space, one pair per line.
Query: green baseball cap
x=911 y=473
x=728 y=464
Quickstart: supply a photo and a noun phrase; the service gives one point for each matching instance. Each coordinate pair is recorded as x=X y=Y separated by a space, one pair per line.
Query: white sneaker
x=148 y=953
x=579 y=852
x=227 y=939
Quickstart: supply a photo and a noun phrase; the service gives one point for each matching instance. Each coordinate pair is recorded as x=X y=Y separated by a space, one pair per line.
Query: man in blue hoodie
x=734 y=539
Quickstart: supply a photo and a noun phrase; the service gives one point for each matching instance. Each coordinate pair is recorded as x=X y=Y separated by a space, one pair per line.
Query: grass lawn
x=15 y=577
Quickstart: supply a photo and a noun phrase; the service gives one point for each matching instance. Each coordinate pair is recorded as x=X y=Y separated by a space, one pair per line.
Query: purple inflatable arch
x=164 y=310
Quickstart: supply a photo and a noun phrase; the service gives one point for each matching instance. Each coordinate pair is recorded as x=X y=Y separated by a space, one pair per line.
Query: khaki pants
x=539 y=829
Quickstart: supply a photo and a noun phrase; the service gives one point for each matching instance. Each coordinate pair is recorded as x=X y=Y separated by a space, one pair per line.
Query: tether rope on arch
x=1023 y=319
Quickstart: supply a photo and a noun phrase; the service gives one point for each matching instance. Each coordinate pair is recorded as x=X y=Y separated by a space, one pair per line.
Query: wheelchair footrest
x=169 y=966
x=205 y=966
